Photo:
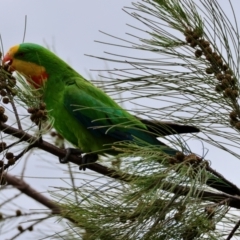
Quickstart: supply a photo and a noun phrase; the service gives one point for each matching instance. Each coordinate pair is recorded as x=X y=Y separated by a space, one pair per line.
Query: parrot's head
x=29 y=60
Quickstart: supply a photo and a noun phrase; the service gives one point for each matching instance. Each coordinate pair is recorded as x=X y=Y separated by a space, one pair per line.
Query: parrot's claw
x=70 y=151
x=88 y=159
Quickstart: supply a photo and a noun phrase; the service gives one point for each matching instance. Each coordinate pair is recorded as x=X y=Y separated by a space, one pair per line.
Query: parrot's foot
x=88 y=159
x=70 y=151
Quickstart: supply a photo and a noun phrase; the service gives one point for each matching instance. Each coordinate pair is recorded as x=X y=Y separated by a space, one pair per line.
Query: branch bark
x=25 y=188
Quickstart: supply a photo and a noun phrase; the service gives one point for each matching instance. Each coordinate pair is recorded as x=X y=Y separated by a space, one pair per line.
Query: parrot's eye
x=20 y=54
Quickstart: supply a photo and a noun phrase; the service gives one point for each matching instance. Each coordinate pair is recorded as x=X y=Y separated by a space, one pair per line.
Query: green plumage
x=84 y=114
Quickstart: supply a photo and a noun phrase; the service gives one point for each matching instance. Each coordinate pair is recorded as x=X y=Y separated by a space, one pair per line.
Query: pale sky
x=72 y=27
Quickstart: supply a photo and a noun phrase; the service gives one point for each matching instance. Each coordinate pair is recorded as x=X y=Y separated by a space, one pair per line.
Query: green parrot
x=83 y=114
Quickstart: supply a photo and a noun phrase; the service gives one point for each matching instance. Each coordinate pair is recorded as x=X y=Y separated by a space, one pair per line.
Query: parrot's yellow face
x=15 y=60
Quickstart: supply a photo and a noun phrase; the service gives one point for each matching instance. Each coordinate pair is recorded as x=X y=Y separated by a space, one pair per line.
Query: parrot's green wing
x=101 y=115
x=98 y=112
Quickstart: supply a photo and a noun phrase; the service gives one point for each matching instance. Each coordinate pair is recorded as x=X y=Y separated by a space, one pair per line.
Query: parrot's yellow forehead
x=13 y=50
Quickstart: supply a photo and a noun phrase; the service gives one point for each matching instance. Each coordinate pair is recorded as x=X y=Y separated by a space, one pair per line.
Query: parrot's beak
x=7 y=61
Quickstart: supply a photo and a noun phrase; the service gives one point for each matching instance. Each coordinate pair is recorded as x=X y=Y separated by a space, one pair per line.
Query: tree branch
x=29 y=191
x=50 y=148
x=25 y=188
x=233 y=230
x=229 y=191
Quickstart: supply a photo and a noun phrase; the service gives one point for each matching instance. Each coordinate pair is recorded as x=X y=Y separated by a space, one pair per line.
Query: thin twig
x=229 y=185
x=25 y=164
x=233 y=230
x=14 y=110
x=25 y=29
x=27 y=228
x=29 y=147
x=10 y=199
x=11 y=145
x=6 y=166
x=73 y=183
